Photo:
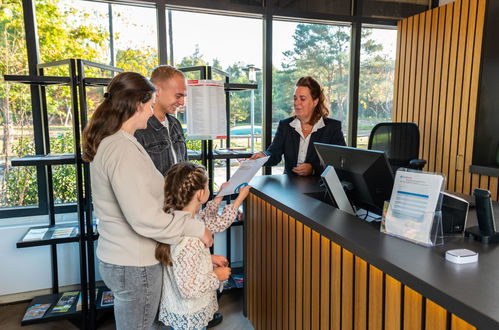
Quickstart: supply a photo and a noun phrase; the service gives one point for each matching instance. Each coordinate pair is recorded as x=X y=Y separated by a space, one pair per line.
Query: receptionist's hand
x=258 y=155
x=303 y=169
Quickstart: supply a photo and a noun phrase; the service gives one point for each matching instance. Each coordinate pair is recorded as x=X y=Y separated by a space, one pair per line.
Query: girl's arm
x=215 y=222
x=191 y=281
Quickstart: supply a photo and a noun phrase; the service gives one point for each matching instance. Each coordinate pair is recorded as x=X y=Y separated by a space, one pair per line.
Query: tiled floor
x=231 y=306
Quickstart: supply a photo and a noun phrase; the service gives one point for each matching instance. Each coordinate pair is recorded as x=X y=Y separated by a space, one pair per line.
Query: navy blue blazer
x=287 y=141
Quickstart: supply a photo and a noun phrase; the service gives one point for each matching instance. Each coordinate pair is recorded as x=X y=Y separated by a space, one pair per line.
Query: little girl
x=191 y=275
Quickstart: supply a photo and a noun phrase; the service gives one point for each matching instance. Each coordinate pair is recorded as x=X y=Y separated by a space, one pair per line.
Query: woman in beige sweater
x=127 y=193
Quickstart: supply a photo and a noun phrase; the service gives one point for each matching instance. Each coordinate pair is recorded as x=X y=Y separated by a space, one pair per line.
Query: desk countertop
x=470 y=291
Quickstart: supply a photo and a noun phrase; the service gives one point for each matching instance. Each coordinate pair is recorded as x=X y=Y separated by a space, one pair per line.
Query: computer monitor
x=365 y=174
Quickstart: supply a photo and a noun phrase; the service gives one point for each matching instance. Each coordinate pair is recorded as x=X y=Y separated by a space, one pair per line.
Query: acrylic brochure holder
x=414 y=212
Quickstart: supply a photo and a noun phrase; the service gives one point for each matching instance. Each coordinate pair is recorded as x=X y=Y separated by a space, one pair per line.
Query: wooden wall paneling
x=251 y=246
x=335 y=307
x=444 y=86
x=393 y=291
x=292 y=274
x=420 y=58
x=376 y=301
x=475 y=181
x=274 y=281
x=431 y=37
x=459 y=324
x=325 y=282
x=269 y=268
x=413 y=71
x=299 y=283
x=265 y=265
x=360 y=294
x=307 y=276
x=396 y=80
x=454 y=157
x=436 y=316
x=285 y=267
x=260 y=268
x=316 y=271
x=248 y=231
x=451 y=83
x=484 y=182
x=401 y=51
x=465 y=102
x=413 y=309
x=347 y=286
x=407 y=70
x=425 y=58
x=280 y=274
x=493 y=187
x=469 y=179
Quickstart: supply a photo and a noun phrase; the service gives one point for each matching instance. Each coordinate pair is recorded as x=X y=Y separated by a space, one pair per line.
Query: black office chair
x=400 y=142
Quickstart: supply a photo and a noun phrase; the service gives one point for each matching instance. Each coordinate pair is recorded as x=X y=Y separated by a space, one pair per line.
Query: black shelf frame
x=77 y=82
x=208 y=154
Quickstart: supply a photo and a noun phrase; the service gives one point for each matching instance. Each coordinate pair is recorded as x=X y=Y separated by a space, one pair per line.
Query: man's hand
x=258 y=155
x=207 y=238
x=303 y=169
x=222 y=273
x=219 y=261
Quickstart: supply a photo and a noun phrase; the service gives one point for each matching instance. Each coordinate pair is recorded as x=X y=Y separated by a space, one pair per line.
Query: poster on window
x=205 y=110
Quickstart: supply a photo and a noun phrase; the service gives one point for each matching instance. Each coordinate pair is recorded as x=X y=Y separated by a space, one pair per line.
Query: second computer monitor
x=365 y=174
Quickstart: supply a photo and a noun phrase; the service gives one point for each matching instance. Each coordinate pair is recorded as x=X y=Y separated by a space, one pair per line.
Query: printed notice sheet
x=243 y=175
x=205 y=114
x=412 y=205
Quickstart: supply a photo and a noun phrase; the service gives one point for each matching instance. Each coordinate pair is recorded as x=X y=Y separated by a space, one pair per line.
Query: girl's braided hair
x=181 y=183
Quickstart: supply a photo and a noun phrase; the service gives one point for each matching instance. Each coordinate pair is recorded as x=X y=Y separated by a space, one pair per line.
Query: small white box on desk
x=461 y=256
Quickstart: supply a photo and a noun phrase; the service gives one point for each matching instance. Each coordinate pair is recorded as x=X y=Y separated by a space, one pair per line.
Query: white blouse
x=304 y=141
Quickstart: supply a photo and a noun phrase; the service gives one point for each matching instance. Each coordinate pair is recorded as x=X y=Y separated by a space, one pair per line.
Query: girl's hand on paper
x=218 y=199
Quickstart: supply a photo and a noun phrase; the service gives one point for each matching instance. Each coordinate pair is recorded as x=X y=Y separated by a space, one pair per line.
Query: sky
x=226 y=38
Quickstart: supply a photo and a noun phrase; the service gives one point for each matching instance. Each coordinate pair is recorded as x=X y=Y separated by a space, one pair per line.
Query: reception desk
x=309 y=265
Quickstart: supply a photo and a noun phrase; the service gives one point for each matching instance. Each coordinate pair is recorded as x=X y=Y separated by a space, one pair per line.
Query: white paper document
x=205 y=114
x=243 y=175
x=413 y=203
x=35 y=234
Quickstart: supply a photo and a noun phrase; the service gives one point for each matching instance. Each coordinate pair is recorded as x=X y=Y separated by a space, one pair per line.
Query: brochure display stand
x=43 y=308
x=414 y=212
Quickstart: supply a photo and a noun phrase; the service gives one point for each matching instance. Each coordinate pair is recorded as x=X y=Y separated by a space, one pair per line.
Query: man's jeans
x=137 y=291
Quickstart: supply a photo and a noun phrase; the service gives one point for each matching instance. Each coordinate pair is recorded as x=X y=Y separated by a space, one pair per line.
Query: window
x=318 y=50
x=18 y=185
x=229 y=44
x=377 y=66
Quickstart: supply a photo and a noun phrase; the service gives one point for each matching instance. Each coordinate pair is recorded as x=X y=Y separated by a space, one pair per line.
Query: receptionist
x=296 y=135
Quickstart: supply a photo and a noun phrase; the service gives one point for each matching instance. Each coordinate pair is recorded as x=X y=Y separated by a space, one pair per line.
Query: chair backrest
x=400 y=142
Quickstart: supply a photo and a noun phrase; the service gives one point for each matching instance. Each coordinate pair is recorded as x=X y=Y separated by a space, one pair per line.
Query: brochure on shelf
x=243 y=175
x=79 y=303
x=107 y=298
x=414 y=211
x=35 y=311
x=35 y=234
x=65 y=302
x=63 y=232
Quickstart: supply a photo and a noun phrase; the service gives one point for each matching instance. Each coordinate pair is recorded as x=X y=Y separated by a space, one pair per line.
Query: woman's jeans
x=137 y=291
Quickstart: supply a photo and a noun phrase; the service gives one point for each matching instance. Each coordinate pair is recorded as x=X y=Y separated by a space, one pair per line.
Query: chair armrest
x=417 y=164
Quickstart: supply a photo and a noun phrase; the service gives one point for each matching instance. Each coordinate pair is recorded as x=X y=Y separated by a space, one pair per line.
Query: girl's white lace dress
x=188 y=299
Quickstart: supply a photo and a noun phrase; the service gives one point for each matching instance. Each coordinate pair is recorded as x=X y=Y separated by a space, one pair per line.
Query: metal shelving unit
x=84 y=235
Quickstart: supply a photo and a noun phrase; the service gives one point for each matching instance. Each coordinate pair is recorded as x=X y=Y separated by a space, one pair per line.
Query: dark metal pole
x=267 y=83
x=161 y=20
x=170 y=37
x=111 y=34
x=353 y=104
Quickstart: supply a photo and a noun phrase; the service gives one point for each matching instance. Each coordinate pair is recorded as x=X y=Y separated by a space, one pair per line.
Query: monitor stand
x=336 y=191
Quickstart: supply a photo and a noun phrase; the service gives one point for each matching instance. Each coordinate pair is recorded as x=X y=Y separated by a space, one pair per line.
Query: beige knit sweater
x=127 y=193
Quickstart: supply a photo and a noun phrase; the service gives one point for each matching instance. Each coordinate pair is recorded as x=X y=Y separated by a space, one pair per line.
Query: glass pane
x=135 y=40
x=377 y=66
x=318 y=50
x=18 y=185
x=394 y=8
x=337 y=7
x=231 y=51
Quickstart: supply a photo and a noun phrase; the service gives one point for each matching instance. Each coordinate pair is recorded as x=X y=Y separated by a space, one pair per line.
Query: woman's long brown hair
x=182 y=181
x=321 y=109
x=124 y=93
